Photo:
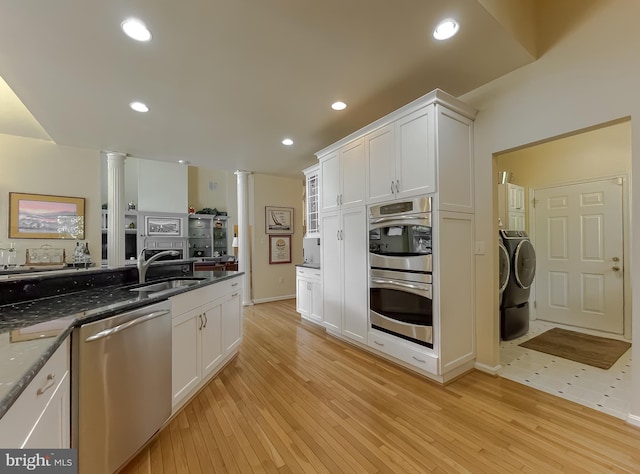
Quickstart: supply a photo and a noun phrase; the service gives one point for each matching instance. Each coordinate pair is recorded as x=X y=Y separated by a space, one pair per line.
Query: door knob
x=615 y=268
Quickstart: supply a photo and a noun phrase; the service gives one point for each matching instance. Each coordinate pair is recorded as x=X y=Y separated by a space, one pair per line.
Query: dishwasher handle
x=128 y=324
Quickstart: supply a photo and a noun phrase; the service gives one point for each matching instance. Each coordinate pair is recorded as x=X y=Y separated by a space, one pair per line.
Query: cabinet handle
x=200 y=328
x=51 y=381
x=337 y=199
x=234 y=295
x=392 y=191
x=206 y=320
x=420 y=360
x=379 y=343
x=234 y=284
x=397 y=186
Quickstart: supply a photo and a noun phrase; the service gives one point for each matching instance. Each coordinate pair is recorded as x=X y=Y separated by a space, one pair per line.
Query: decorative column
x=115 y=209
x=244 y=244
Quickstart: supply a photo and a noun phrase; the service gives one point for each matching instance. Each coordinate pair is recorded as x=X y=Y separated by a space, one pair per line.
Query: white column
x=244 y=244
x=115 y=209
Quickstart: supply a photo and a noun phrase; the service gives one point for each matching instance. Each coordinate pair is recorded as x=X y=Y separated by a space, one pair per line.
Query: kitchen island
x=39 y=312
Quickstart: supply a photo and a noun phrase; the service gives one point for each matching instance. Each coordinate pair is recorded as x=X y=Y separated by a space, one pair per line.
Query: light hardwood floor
x=298 y=401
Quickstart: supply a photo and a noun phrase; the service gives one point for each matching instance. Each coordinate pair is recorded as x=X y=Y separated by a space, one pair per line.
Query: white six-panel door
x=579 y=244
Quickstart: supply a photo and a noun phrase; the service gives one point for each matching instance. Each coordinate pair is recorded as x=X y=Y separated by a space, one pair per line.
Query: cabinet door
x=185 y=354
x=312 y=204
x=415 y=153
x=231 y=323
x=516 y=197
x=211 y=337
x=303 y=296
x=516 y=221
x=52 y=428
x=380 y=154
x=353 y=180
x=355 y=291
x=330 y=182
x=331 y=271
x=316 y=301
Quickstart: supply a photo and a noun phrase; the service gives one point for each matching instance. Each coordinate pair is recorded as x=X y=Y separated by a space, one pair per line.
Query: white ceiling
x=226 y=81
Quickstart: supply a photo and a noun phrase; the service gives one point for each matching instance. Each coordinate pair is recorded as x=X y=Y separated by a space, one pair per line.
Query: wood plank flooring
x=298 y=401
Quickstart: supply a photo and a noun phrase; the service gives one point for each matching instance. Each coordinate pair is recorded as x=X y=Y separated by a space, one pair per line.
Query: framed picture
x=278 y=220
x=279 y=249
x=41 y=216
x=164 y=226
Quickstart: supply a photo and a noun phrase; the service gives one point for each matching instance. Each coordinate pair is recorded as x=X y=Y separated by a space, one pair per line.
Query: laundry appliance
x=514 y=306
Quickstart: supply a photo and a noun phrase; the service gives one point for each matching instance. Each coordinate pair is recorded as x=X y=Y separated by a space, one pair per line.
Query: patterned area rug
x=591 y=350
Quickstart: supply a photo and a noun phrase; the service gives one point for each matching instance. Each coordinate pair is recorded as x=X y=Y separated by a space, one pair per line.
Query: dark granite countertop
x=315 y=266
x=32 y=327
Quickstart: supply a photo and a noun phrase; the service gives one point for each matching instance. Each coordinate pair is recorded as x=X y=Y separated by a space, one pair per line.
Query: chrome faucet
x=143 y=264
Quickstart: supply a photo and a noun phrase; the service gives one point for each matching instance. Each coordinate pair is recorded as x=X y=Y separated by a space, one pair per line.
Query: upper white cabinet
x=342 y=178
x=511 y=206
x=312 y=204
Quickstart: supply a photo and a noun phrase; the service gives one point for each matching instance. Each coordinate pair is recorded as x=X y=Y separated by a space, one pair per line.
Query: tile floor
x=608 y=391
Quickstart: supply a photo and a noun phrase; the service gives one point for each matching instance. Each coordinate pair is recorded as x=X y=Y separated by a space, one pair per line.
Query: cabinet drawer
x=403 y=351
x=24 y=414
x=308 y=273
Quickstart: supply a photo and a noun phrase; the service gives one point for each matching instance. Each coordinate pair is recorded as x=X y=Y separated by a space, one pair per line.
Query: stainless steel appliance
x=121 y=378
x=400 y=261
x=400 y=235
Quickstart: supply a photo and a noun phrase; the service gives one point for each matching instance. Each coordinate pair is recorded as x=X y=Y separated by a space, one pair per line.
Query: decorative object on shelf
x=40 y=216
x=278 y=220
x=165 y=226
x=279 y=249
x=208 y=210
x=45 y=255
x=8 y=255
x=131 y=206
x=192 y=210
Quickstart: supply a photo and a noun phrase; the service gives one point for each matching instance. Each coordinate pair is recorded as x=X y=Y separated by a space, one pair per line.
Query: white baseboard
x=633 y=420
x=488 y=369
x=275 y=298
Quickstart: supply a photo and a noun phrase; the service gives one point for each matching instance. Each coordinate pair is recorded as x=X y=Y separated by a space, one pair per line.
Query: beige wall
x=276 y=281
x=42 y=167
x=588 y=77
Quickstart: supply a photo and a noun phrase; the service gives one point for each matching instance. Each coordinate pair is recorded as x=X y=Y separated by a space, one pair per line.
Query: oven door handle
x=424 y=220
x=411 y=286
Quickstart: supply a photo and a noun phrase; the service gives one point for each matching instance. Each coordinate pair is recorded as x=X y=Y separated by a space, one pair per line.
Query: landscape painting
x=40 y=216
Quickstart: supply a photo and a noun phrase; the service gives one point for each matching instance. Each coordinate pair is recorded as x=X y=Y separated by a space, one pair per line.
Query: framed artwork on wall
x=43 y=216
x=278 y=220
x=279 y=249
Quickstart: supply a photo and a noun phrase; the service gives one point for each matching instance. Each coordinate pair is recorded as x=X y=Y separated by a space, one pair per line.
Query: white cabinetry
x=206 y=333
x=342 y=178
x=511 y=206
x=344 y=251
x=312 y=204
x=41 y=416
x=309 y=294
x=421 y=152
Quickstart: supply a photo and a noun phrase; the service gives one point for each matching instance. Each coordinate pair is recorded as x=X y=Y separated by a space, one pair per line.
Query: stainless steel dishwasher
x=121 y=378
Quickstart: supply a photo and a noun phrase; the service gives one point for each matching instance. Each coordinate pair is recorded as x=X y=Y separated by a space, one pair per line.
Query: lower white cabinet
x=40 y=417
x=206 y=333
x=309 y=294
x=413 y=354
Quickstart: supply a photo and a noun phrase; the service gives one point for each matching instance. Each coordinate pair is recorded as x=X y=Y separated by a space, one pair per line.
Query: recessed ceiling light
x=183 y=162
x=338 y=105
x=135 y=29
x=287 y=142
x=139 y=107
x=446 y=29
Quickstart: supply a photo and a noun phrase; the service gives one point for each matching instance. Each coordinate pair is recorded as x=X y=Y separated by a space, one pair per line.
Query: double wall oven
x=400 y=269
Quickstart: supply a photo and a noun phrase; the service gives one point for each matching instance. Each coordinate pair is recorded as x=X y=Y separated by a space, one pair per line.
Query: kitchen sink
x=151 y=289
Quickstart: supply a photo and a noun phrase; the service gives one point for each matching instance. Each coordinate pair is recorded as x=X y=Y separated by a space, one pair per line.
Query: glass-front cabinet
x=312 y=176
x=207 y=235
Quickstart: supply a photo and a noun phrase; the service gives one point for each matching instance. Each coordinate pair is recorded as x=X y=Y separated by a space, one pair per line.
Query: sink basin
x=164 y=286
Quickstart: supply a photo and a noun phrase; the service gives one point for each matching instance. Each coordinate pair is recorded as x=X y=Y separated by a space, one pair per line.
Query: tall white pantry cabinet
x=423 y=148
